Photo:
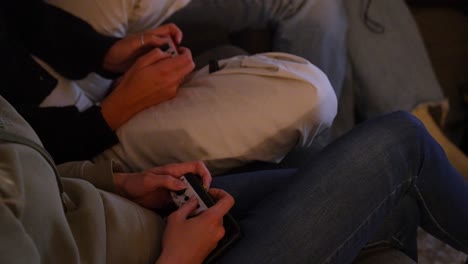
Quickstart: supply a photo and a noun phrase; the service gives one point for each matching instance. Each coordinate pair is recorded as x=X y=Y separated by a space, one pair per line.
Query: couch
x=259 y=41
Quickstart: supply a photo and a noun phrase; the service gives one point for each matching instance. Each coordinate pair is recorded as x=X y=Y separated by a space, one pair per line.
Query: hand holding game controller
x=124 y=52
x=196 y=189
x=151 y=80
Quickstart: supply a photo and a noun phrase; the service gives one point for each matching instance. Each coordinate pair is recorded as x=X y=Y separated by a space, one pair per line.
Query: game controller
x=196 y=189
x=170 y=48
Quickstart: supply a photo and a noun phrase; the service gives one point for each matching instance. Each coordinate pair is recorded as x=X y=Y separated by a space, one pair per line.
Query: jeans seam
x=397 y=240
x=327 y=260
x=376 y=244
x=431 y=216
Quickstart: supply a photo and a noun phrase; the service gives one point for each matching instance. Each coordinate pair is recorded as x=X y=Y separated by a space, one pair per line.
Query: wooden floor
x=433 y=251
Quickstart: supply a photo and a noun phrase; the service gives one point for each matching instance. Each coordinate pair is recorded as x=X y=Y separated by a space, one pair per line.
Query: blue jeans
x=313 y=29
x=327 y=211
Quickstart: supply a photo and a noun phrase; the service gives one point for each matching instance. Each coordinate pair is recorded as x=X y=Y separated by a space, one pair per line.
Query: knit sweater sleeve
x=99 y=174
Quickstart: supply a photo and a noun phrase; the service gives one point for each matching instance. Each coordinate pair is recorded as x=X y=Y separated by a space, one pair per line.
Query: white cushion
x=255 y=108
x=119 y=18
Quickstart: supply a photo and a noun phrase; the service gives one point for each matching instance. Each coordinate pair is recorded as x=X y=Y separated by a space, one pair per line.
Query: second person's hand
x=190 y=240
x=151 y=187
x=153 y=79
x=126 y=51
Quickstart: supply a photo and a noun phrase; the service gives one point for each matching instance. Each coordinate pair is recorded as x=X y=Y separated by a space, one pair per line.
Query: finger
x=154 y=181
x=202 y=170
x=174 y=169
x=150 y=58
x=179 y=169
x=174 y=69
x=184 y=51
x=186 y=60
x=150 y=40
x=186 y=209
x=170 y=29
x=170 y=169
x=224 y=202
x=179 y=66
x=182 y=63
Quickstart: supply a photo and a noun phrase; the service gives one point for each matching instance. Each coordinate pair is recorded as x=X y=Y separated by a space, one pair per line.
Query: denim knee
x=329 y=15
x=320 y=12
x=403 y=124
x=400 y=131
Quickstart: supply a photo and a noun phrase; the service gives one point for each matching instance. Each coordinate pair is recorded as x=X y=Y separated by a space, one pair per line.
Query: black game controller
x=195 y=188
x=170 y=48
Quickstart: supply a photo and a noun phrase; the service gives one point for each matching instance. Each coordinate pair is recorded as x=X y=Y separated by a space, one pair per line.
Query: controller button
x=181 y=191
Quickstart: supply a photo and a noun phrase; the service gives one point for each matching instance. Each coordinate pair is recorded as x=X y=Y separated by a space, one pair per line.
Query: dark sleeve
x=70 y=45
x=23 y=81
x=68 y=134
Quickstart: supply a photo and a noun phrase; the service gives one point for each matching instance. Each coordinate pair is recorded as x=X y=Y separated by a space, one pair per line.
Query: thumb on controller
x=186 y=210
x=155 y=181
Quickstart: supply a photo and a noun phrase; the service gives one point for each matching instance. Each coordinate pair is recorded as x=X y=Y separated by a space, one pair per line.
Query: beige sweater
x=95 y=227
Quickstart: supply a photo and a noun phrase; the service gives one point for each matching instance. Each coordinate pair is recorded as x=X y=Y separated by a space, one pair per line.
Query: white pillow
x=119 y=18
x=255 y=108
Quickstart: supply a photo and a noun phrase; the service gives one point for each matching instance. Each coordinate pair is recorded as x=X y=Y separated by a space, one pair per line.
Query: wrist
x=108 y=64
x=173 y=258
x=114 y=111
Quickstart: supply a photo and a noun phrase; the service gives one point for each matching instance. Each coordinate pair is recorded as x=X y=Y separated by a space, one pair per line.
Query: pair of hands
x=151 y=75
x=201 y=233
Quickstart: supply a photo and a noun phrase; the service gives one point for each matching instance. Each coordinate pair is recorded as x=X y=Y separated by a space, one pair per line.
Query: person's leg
x=398 y=231
x=391 y=67
x=333 y=206
x=313 y=29
x=249 y=189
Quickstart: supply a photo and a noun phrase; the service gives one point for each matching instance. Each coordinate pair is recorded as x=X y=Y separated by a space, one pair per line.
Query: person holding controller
x=74 y=49
x=325 y=212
